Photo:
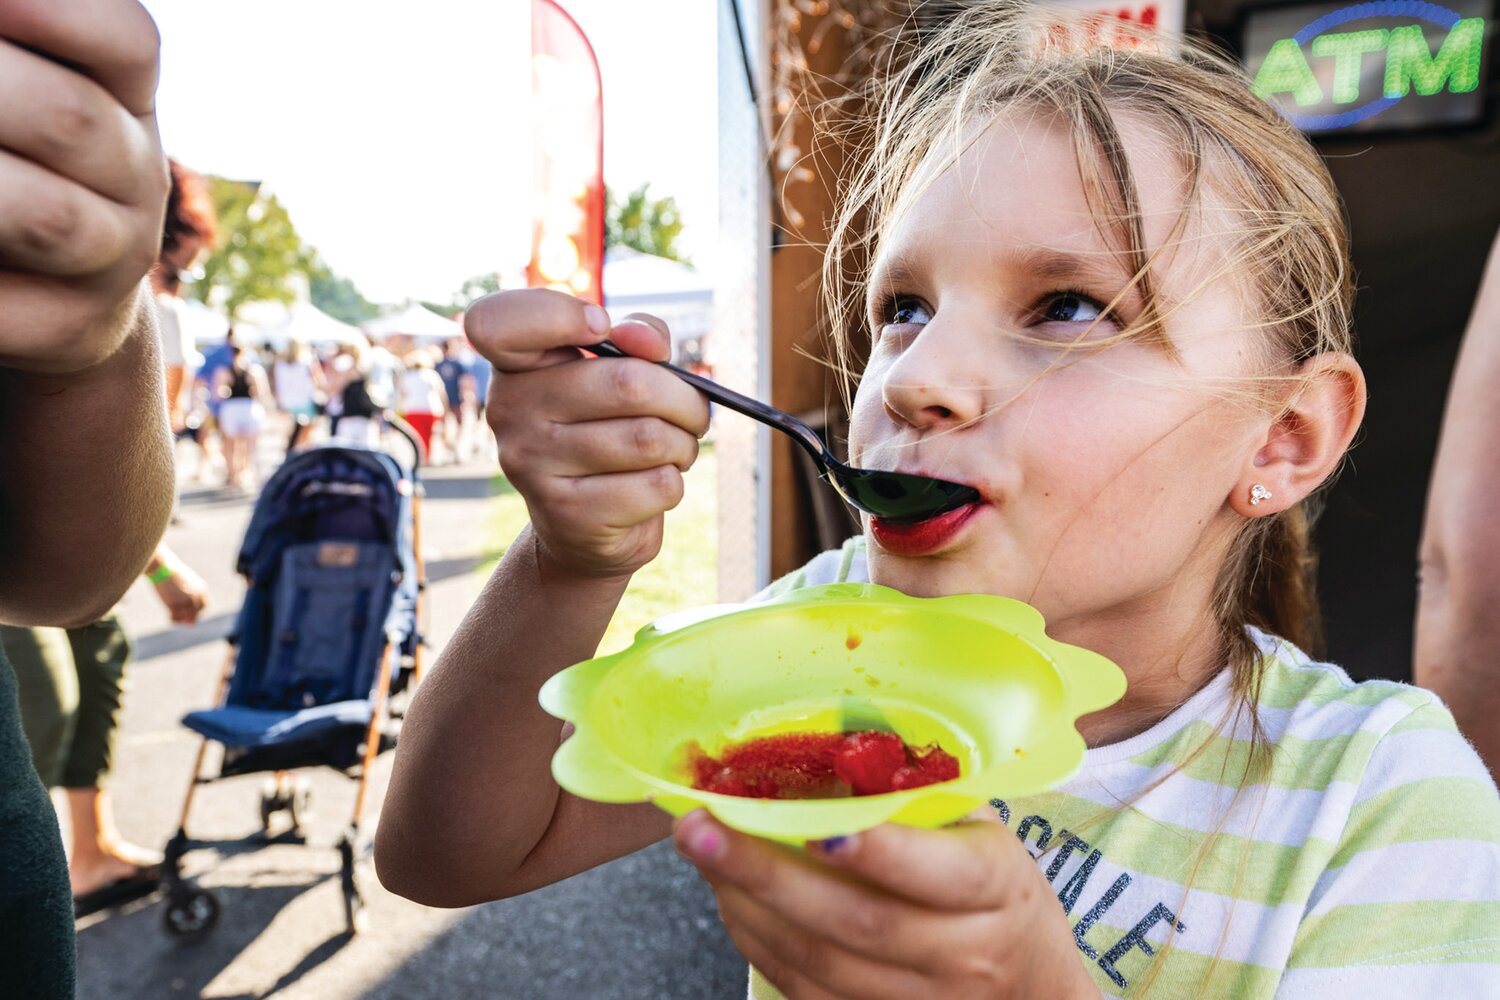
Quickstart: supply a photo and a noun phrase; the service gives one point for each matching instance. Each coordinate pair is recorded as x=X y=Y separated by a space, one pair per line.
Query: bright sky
x=398 y=134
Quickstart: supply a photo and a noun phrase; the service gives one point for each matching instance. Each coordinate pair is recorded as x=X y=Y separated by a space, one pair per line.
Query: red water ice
x=819 y=766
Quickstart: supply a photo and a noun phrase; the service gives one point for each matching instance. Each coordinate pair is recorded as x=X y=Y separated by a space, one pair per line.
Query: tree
x=473 y=288
x=650 y=225
x=260 y=257
x=338 y=296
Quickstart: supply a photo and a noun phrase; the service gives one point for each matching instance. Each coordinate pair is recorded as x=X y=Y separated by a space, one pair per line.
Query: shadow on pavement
x=643 y=926
x=145 y=961
x=178 y=637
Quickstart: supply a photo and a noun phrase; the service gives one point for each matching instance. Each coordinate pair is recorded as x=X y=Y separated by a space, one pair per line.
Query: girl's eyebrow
x=1097 y=268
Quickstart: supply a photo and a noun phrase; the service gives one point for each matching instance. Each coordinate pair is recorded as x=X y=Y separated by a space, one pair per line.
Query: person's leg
x=100 y=854
x=47 y=684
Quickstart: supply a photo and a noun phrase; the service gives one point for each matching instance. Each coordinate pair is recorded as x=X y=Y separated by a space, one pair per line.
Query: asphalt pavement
x=643 y=926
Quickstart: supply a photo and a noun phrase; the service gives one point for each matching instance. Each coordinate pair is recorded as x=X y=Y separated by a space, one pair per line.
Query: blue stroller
x=328 y=631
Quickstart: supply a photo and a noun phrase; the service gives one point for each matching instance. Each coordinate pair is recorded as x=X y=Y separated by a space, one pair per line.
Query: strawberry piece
x=935 y=761
x=868 y=760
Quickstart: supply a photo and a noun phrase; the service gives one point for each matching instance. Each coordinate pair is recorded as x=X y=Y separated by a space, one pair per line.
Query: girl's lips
x=922 y=537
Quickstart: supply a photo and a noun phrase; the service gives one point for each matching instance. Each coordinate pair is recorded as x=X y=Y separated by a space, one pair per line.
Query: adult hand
x=892 y=912
x=83 y=182
x=184 y=594
x=596 y=447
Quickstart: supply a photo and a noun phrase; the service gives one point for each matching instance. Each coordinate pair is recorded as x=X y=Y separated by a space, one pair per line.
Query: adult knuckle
x=73 y=122
x=140 y=39
x=51 y=225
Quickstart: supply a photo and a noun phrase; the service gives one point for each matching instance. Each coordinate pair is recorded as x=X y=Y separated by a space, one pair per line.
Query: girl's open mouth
x=922 y=538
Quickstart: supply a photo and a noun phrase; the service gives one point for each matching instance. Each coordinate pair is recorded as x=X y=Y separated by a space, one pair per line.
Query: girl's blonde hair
x=1290 y=250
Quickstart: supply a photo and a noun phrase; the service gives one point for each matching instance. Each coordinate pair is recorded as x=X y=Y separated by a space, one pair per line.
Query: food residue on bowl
x=819 y=765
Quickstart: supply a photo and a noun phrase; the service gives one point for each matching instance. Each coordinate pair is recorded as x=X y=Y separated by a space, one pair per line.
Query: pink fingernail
x=702 y=841
x=597 y=319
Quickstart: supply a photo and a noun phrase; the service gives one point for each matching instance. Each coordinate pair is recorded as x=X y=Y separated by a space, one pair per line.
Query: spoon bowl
x=897 y=497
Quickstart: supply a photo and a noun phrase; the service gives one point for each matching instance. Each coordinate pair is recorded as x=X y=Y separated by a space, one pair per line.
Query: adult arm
x=1457 y=650
x=85 y=483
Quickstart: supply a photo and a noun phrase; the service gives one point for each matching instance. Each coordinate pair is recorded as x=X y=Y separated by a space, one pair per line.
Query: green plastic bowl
x=976 y=674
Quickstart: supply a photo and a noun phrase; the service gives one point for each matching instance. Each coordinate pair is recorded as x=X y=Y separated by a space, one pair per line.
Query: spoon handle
x=754 y=408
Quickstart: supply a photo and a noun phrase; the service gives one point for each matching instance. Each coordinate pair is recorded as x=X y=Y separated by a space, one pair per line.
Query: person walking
x=300 y=389
x=421 y=394
x=243 y=393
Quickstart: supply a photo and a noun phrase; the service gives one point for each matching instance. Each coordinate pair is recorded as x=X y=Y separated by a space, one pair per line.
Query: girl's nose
x=933 y=385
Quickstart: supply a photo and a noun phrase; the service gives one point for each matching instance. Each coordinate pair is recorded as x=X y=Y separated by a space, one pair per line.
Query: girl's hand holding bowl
x=895 y=911
x=596 y=450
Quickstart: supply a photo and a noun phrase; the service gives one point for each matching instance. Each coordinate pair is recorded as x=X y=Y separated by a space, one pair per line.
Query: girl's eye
x=900 y=310
x=1072 y=307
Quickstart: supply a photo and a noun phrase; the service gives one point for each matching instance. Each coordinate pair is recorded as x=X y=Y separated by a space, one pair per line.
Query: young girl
x=1109 y=288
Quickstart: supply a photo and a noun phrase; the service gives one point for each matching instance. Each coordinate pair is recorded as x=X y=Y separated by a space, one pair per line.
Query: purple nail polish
x=833 y=845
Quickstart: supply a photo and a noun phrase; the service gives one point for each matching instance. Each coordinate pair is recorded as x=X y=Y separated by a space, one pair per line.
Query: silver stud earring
x=1257 y=494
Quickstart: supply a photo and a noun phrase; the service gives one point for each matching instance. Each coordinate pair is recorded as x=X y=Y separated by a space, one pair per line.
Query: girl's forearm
x=472 y=793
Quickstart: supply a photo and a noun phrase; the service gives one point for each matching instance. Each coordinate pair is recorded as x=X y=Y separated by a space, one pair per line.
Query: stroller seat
x=328 y=625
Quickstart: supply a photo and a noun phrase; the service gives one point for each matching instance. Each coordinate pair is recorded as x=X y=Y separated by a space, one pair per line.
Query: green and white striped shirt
x=1365 y=865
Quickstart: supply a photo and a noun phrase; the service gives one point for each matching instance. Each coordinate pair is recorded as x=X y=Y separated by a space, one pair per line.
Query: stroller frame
x=192 y=912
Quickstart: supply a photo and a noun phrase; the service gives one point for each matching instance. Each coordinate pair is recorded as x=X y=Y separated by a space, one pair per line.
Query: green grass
x=683 y=575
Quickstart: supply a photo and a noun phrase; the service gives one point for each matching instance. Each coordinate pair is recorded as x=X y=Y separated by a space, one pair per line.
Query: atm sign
x=1387 y=64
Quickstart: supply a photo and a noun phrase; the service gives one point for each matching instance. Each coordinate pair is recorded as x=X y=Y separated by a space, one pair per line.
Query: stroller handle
x=419 y=454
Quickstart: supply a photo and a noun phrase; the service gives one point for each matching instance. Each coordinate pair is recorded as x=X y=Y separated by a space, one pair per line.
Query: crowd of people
x=344 y=392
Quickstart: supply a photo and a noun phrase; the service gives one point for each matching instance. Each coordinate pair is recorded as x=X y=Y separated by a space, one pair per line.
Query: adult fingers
x=114 y=42
x=973 y=865
x=533 y=328
x=69 y=124
x=54 y=226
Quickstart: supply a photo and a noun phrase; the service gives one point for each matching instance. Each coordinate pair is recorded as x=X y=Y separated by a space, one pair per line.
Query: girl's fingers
x=601 y=389
x=973 y=865
x=71 y=125
x=624 y=444
x=524 y=329
x=54 y=226
x=817 y=902
x=822 y=959
x=780 y=973
x=114 y=42
x=607 y=502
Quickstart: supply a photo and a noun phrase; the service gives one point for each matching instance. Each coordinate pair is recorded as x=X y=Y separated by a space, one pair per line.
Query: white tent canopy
x=415 y=320
x=307 y=323
x=668 y=289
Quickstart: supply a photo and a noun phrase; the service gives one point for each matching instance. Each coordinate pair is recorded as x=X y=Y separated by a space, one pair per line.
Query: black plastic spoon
x=899 y=497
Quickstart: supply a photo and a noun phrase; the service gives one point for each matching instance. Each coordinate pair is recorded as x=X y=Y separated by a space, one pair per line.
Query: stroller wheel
x=355 y=917
x=299 y=805
x=190 y=914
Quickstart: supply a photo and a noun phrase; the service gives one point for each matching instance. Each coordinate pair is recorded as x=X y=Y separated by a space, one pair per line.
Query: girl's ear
x=1304 y=444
